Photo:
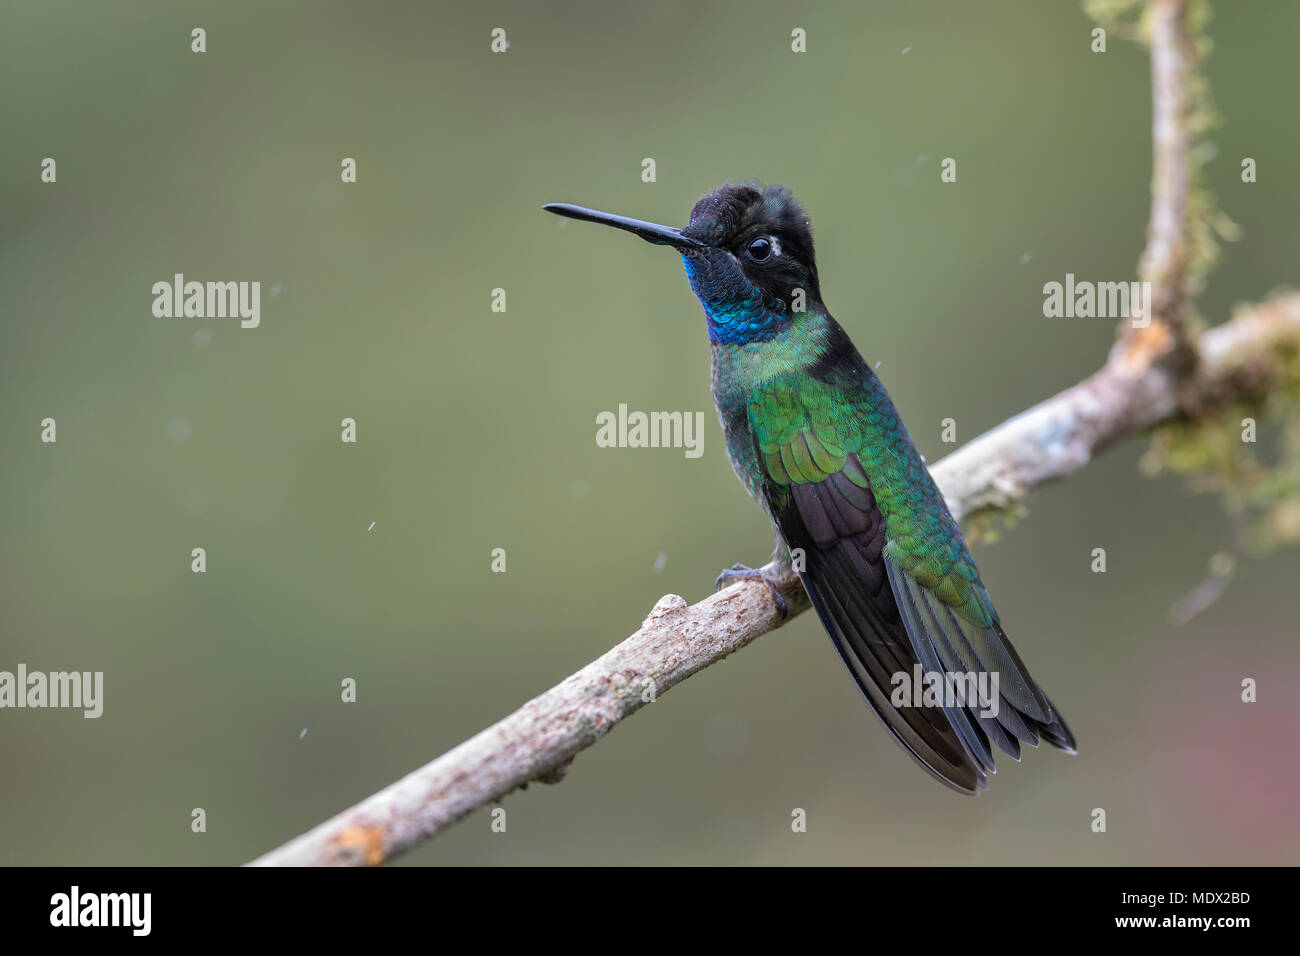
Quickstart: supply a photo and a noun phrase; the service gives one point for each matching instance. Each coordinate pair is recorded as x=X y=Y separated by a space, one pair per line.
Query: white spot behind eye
x=775 y=244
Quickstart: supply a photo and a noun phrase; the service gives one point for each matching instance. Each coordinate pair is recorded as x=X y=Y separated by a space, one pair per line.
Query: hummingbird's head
x=748 y=253
x=766 y=233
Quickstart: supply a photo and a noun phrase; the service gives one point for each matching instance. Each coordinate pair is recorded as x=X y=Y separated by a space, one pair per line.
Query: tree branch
x=1241 y=360
x=1166 y=260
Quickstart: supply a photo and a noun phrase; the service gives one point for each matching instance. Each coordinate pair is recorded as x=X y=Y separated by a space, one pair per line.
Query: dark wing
x=891 y=602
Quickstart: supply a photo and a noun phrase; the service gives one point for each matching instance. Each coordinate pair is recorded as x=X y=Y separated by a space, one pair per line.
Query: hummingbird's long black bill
x=649 y=231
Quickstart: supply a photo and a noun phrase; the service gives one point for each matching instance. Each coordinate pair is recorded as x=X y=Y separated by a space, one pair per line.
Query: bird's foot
x=742 y=572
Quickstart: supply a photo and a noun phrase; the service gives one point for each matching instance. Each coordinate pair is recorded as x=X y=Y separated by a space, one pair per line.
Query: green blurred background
x=476 y=429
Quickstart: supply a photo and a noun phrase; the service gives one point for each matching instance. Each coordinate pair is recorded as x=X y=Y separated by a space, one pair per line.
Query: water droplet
x=179 y=429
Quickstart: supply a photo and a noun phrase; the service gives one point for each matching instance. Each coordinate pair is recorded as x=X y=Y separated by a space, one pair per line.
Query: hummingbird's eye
x=760 y=248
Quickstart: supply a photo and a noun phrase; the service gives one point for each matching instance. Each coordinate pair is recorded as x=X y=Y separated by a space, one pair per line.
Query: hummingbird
x=815 y=439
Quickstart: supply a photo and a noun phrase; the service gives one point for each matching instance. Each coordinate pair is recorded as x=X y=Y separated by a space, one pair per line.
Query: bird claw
x=742 y=572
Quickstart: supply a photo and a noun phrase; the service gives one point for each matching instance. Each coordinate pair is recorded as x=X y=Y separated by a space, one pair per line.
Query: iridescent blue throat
x=738 y=312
